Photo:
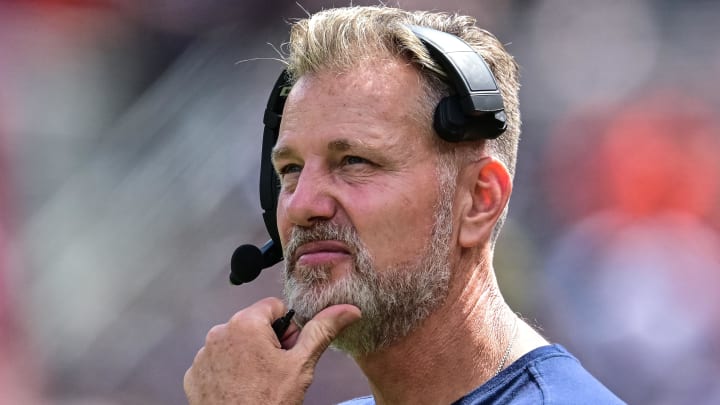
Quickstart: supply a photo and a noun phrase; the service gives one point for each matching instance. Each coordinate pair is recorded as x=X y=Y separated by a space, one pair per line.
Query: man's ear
x=486 y=191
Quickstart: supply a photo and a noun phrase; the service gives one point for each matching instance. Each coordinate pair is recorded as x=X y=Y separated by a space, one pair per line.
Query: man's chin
x=309 y=300
x=306 y=308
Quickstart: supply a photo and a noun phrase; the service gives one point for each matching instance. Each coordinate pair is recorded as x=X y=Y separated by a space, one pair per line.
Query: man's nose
x=312 y=199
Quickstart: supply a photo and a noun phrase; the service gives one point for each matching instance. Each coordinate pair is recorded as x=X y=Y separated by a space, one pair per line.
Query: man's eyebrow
x=280 y=152
x=338 y=145
x=344 y=145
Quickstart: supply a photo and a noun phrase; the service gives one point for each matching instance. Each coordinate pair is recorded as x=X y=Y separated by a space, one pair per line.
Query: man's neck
x=454 y=350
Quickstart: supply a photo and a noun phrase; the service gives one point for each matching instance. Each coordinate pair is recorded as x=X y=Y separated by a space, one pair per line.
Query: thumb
x=322 y=329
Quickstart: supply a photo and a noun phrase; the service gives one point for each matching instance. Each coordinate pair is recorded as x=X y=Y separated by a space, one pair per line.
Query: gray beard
x=393 y=301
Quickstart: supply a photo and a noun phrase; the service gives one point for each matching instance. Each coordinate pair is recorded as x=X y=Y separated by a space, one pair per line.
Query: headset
x=473 y=111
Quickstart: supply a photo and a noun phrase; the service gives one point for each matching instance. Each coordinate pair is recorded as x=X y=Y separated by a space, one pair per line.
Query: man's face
x=363 y=216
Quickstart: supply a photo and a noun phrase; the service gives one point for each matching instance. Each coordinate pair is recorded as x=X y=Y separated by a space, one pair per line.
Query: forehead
x=372 y=101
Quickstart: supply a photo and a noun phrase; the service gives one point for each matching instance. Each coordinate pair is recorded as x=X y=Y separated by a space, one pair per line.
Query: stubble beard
x=393 y=301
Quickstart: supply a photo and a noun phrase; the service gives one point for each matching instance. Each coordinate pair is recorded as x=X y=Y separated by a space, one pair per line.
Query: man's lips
x=321 y=252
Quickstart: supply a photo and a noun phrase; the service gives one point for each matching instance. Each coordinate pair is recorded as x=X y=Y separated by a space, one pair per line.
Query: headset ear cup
x=449 y=120
x=452 y=125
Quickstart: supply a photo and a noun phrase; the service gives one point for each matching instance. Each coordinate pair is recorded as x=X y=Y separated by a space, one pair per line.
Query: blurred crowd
x=129 y=152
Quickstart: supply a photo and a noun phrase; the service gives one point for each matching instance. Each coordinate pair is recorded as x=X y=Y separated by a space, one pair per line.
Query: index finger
x=267 y=309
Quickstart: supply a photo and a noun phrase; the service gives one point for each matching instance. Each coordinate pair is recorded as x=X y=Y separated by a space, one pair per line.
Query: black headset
x=473 y=111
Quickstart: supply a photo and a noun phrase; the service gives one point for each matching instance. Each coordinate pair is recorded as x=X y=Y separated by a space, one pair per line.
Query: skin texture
x=243 y=361
x=352 y=151
x=361 y=162
x=357 y=160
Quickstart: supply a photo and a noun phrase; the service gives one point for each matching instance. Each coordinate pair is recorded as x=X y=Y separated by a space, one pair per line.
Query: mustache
x=320 y=231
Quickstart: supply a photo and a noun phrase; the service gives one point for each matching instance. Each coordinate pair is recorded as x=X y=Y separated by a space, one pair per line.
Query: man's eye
x=288 y=169
x=354 y=160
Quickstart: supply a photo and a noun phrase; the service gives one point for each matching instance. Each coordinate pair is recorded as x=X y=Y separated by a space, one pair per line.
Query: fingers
x=269 y=308
x=258 y=318
x=242 y=358
x=242 y=362
x=320 y=331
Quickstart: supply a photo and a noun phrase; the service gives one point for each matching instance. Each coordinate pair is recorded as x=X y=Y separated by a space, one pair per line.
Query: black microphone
x=248 y=261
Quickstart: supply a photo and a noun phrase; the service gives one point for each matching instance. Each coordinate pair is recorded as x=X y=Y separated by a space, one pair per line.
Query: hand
x=243 y=362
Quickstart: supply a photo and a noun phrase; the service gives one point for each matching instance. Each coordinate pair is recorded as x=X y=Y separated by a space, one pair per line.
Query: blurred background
x=129 y=154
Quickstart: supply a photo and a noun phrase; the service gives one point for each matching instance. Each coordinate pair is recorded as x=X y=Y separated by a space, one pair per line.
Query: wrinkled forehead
x=376 y=105
x=389 y=89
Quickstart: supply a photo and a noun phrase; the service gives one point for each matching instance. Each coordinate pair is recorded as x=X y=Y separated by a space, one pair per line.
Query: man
x=388 y=234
